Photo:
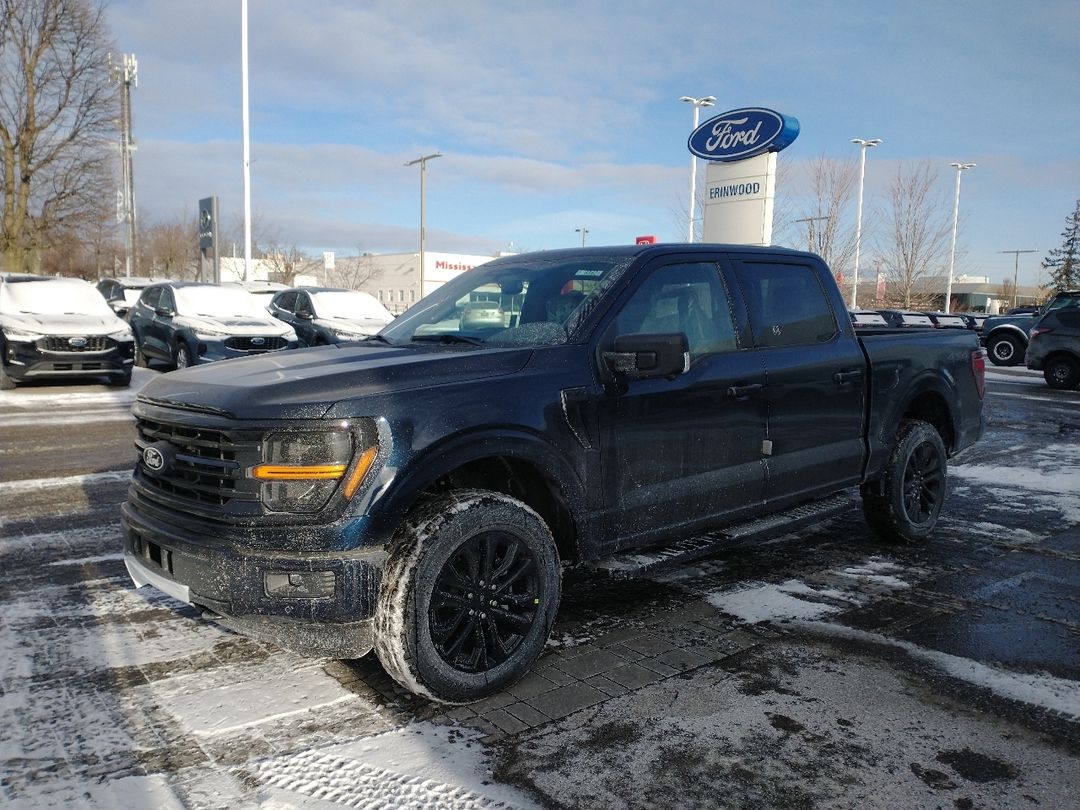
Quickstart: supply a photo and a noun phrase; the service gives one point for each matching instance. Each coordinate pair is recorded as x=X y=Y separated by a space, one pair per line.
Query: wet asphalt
x=821 y=669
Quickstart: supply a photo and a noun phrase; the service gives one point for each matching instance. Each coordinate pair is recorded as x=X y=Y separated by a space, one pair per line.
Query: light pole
x=1016 y=268
x=423 y=168
x=583 y=232
x=955 y=217
x=864 y=144
x=698 y=103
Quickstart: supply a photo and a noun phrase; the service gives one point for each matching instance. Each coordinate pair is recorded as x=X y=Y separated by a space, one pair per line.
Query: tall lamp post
x=423 y=168
x=1016 y=268
x=955 y=218
x=864 y=144
x=698 y=103
x=584 y=232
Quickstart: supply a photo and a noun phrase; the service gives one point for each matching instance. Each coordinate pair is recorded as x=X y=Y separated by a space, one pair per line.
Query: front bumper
x=243 y=587
x=207 y=351
x=35 y=360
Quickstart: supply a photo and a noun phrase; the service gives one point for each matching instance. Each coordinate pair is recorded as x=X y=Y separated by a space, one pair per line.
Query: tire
x=906 y=506
x=438 y=631
x=182 y=356
x=6 y=383
x=140 y=358
x=1062 y=372
x=1005 y=350
x=120 y=382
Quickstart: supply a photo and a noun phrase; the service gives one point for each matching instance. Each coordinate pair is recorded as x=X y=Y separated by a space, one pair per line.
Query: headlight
x=203 y=333
x=348 y=336
x=302 y=469
x=289 y=334
x=12 y=333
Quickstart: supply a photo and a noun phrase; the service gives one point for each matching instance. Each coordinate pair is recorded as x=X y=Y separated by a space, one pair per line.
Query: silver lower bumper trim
x=141 y=575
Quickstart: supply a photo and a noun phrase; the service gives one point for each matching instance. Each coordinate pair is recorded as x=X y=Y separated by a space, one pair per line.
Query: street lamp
x=955 y=216
x=698 y=103
x=423 y=167
x=1016 y=268
x=583 y=232
x=864 y=144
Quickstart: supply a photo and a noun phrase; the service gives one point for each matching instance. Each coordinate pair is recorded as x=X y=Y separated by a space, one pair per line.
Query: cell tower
x=126 y=74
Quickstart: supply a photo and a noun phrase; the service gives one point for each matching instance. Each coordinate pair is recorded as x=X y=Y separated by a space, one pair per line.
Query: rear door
x=814 y=378
x=684 y=452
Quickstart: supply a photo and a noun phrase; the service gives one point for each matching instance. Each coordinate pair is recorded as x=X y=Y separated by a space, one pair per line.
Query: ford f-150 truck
x=419 y=492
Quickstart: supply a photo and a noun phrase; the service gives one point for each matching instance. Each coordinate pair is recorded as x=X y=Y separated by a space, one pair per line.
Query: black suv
x=59 y=328
x=187 y=323
x=1054 y=348
x=323 y=315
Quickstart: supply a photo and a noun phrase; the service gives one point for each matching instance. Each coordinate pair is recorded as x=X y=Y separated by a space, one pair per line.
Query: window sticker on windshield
x=589 y=273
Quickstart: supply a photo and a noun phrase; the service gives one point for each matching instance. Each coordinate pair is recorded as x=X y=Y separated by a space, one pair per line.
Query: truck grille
x=201 y=468
x=256 y=344
x=76 y=343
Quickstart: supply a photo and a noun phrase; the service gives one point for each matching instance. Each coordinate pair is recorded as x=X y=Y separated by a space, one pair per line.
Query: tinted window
x=303 y=304
x=687 y=298
x=151 y=297
x=286 y=301
x=166 y=301
x=787 y=304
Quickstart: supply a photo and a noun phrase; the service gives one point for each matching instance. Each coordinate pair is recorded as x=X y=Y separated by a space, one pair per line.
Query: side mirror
x=648 y=357
x=304 y=315
x=164 y=312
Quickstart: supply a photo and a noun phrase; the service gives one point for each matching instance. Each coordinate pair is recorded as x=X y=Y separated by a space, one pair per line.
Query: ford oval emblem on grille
x=153 y=459
x=77 y=342
x=257 y=341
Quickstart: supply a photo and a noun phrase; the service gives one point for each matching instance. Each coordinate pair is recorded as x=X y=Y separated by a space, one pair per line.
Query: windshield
x=218 y=302
x=349 y=306
x=54 y=298
x=511 y=302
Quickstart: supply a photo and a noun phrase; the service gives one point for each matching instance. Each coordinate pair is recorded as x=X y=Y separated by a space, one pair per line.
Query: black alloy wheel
x=904 y=504
x=1062 y=372
x=484 y=602
x=924 y=483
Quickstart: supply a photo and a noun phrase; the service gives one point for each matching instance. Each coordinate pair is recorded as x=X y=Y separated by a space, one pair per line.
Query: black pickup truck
x=418 y=492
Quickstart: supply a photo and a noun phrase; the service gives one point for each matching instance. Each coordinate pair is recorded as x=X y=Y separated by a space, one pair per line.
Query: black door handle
x=742 y=391
x=844 y=377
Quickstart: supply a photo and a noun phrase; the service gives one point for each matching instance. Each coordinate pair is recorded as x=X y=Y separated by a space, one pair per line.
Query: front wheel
x=1005 y=350
x=1062 y=372
x=6 y=383
x=468 y=597
x=182 y=356
x=906 y=504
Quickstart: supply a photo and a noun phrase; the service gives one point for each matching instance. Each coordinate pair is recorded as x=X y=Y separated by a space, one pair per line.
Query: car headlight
x=301 y=469
x=289 y=334
x=22 y=335
x=202 y=333
x=348 y=335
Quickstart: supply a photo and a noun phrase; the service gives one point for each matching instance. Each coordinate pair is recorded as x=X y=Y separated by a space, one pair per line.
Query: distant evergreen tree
x=1064 y=262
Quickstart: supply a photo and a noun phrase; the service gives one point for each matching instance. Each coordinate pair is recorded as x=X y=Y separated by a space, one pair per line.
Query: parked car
x=59 y=328
x=1006 y=336
x=868 y=317
x=324 y=315
x=946 y=321
x=187 y=323
x=898 y=318
x=122 y=293
x=264 y=289
x=418 y=493
x=1054 y=348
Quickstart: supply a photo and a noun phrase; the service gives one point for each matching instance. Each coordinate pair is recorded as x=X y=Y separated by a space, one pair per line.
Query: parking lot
x=823 y=669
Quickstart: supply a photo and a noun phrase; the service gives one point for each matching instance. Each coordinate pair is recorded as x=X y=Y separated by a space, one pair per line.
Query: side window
x=166 y=301
x=687 y=298
x=787 y=304
x=151 y=297
x=286 y=301
x=303 y=303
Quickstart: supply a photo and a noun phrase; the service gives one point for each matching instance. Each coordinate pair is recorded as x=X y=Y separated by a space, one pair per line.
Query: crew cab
x=1006 y=336
x=418 y=492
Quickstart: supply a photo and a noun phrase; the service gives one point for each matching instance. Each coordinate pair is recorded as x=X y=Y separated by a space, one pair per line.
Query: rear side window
x=786 y=303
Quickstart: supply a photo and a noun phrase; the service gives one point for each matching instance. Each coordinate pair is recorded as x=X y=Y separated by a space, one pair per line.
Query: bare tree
x=1007 y=290
x=57 y=111
x=355 y=272
x=169 y=248
x=285 y=263
x=916 y=232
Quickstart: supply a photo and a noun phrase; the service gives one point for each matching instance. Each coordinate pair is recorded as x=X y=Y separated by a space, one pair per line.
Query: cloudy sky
x=554 y=115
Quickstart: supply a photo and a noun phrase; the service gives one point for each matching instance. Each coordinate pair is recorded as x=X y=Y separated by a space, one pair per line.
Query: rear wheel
x=1005 y=350
x=1062 y=372
x=906 y=504
x=468 y=597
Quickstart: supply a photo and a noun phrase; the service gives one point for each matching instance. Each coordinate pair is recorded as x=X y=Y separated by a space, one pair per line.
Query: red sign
x=646 y=240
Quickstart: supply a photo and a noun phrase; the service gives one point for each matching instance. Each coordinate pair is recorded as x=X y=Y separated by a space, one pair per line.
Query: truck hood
x=66 y=324
x=235 y=325
x=356 y=326
x=305 y=383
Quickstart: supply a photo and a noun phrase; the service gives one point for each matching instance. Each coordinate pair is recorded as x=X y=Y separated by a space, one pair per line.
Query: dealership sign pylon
x=740 y=147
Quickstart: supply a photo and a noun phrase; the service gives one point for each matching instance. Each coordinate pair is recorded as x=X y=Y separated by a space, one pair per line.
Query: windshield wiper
x=447 y=337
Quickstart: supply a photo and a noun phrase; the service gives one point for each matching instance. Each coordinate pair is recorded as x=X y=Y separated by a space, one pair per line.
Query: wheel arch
x=1010 y=330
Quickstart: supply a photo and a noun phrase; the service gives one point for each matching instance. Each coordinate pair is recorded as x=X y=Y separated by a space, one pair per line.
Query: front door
x=684 y=453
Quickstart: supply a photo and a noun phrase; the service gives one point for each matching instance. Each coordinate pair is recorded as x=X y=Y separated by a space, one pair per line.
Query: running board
x=653 y=561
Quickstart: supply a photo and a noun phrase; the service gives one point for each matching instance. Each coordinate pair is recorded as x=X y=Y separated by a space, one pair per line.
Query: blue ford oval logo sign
x=740 y=134
x=77 y=342
x=257 y=341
